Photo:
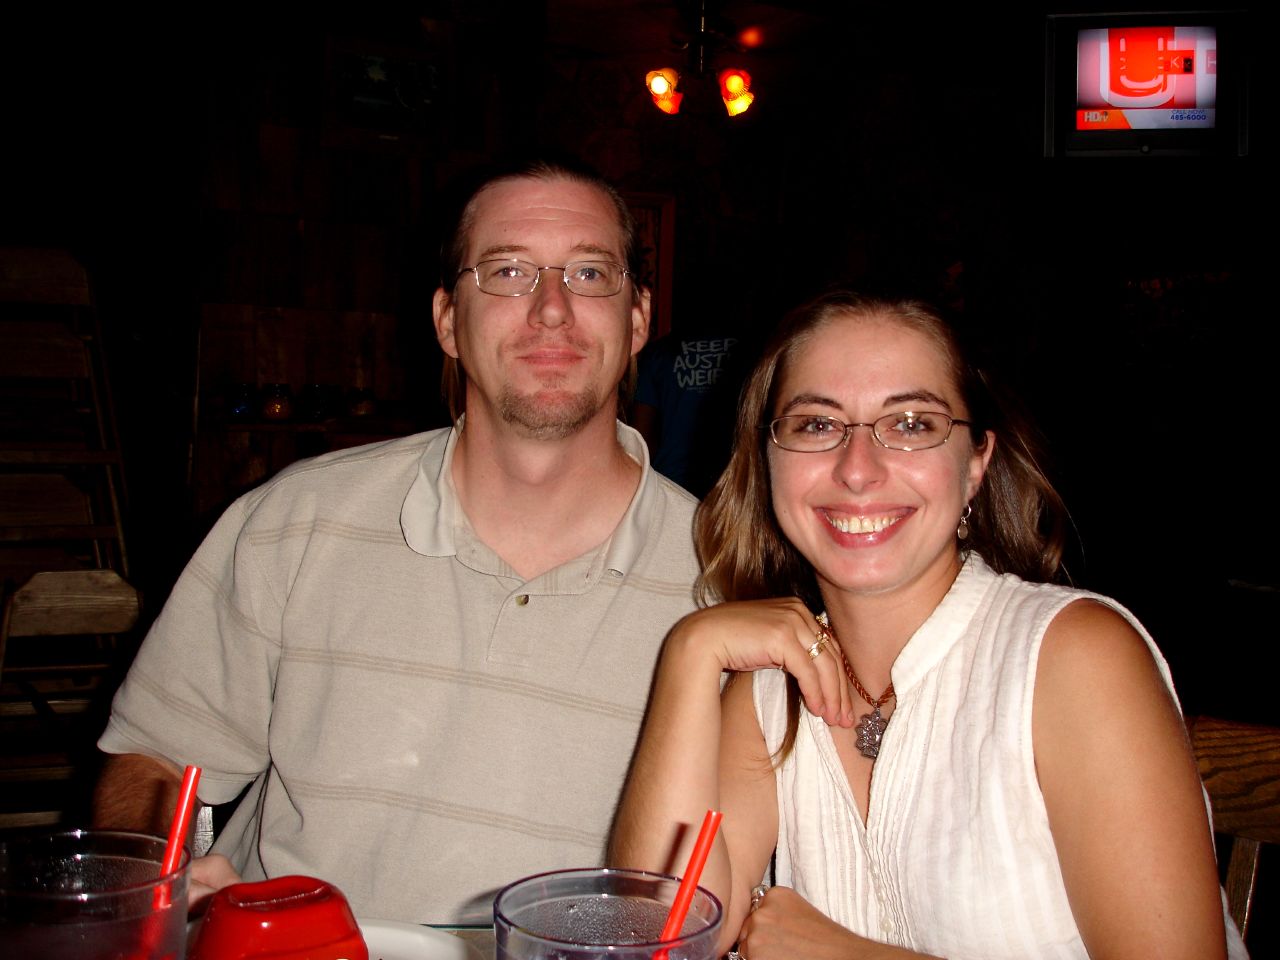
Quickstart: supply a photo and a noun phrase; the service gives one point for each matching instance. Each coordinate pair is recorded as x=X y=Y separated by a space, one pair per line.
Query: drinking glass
x=92 y=895
x=600 y=913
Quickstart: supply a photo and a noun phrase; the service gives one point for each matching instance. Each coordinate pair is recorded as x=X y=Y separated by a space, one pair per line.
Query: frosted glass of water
x=92 y=895
x=594 y=914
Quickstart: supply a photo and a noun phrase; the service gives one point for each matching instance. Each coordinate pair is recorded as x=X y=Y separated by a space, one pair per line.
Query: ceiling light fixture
x=735 y=90
x=735 y=83
x=662 y=85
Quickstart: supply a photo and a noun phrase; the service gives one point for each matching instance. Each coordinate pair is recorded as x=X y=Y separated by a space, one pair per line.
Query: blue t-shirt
x=677 y=375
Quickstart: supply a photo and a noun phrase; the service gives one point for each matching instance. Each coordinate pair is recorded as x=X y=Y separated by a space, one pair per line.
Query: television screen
x=1146 y=78
x=1147 y=84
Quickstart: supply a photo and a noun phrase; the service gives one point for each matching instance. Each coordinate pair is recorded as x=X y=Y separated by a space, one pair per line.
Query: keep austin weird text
x=700 y=362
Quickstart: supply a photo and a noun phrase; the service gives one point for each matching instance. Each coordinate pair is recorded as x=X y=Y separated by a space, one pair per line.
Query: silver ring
x=734 y=955
x=757 y=894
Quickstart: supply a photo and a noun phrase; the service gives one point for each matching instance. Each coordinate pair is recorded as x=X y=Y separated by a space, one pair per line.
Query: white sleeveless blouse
x=956 y=858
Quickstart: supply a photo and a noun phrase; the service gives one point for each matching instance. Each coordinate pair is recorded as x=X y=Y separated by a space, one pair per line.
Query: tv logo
x=1145 y=67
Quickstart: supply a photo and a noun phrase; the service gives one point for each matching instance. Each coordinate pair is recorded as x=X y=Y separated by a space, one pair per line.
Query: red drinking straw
x=689 y=882
x=153 y=930
x=178 y=830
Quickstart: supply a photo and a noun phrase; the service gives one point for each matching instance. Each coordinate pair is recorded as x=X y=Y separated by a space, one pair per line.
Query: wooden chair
x=1240 y=766
x=40 y=698
x=57 y=421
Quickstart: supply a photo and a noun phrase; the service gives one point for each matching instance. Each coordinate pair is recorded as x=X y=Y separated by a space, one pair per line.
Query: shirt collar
x=429 y=515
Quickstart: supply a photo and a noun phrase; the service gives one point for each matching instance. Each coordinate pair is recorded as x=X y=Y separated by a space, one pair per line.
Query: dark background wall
x=220 y=156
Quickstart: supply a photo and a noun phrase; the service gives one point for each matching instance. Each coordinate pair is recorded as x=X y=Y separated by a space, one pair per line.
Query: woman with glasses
x=950 y=755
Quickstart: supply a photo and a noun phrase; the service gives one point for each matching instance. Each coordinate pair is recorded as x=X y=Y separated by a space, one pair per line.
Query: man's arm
x=136 y=792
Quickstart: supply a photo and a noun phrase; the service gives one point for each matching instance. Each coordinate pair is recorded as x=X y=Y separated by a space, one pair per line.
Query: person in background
x=427 y=660
x=951 y=755
x=682 y=393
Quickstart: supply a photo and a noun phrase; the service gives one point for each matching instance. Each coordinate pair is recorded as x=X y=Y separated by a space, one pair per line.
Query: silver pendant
x=871 y=732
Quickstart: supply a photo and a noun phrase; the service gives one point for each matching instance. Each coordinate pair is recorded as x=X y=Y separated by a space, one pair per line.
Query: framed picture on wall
x=380 y=95
x=655 y=216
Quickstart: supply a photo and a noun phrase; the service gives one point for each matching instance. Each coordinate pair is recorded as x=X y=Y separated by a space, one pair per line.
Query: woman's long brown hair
x=1018 y=522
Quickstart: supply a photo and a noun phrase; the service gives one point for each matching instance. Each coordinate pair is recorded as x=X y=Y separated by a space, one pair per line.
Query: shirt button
x=522 y=600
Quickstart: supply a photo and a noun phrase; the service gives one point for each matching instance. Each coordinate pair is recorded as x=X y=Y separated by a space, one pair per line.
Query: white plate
x=394 y=940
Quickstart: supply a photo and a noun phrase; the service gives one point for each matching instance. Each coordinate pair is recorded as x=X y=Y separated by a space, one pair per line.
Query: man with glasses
x=427 y=660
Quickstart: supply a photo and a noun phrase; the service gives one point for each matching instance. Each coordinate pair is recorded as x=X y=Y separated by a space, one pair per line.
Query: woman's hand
x=772 y=634
x=683 y=765
x=785 y=925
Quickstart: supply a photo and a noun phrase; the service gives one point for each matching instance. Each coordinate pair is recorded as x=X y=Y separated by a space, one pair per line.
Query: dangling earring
x=962 y=531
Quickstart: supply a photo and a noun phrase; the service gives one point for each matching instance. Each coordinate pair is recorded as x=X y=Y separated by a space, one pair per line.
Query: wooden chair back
x=66 y=603
x=65 y=617
x=39 y=275
x=57 y=422
x=1240 y=766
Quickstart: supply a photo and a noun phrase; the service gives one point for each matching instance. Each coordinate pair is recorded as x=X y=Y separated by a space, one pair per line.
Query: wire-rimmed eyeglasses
x=519 y=278
x=907 y=431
